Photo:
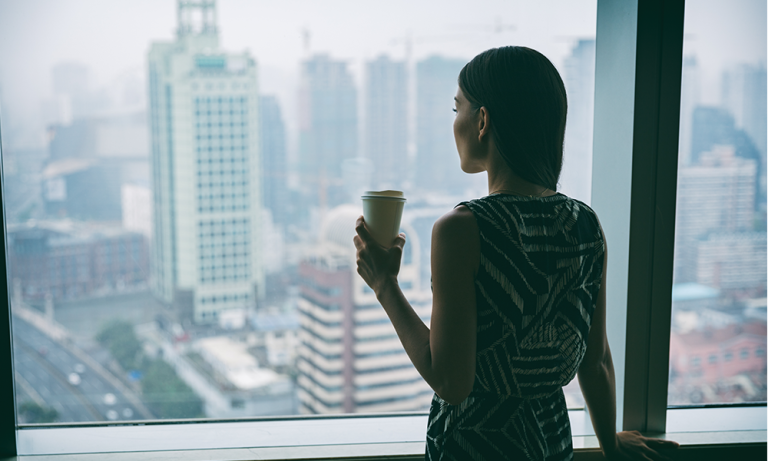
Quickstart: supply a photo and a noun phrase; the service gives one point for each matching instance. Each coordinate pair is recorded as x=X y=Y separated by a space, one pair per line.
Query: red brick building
x=712 y=365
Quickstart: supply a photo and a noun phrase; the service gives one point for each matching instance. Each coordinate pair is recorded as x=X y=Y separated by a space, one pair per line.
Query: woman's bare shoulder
x=459 y=222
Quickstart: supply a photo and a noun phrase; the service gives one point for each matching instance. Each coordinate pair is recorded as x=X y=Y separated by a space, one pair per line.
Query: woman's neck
x=504 y=180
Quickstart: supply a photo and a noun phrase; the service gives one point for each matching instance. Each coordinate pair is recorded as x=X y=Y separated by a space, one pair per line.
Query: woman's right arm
x=598 y=385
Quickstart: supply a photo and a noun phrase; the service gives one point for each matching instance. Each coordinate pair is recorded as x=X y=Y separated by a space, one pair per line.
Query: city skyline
x=252 y=256
x=24 y=87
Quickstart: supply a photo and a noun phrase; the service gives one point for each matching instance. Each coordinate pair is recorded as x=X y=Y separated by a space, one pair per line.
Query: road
x=43 y=367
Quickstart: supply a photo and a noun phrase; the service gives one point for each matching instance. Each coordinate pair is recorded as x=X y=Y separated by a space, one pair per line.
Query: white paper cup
x=382 y=211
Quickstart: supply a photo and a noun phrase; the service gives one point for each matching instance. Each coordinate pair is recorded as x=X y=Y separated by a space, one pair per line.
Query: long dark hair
x=525 y=98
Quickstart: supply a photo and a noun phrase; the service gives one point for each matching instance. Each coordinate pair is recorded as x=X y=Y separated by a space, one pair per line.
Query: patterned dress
x=541 y=262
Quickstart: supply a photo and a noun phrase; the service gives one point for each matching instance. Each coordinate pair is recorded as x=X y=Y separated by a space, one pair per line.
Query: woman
x=518 y=281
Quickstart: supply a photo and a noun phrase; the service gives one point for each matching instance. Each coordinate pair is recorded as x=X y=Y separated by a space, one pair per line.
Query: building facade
x=206 y=170
x=716 y=194
x=438 y=168
x=274 y=166
x=327 y=128
x=386 y=119
x=63 y=260
x=350 y=359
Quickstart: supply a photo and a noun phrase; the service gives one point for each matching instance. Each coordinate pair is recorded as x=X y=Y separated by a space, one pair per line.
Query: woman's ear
x=483 y=123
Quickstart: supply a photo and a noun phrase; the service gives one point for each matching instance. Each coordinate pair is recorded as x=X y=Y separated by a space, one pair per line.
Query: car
x=74 y=379
x=110 y=399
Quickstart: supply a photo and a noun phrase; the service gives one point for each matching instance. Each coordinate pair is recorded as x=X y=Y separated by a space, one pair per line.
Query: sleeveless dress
x=541 y=264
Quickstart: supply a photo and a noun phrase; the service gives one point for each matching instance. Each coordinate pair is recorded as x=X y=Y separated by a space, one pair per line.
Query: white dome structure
x=338 y=226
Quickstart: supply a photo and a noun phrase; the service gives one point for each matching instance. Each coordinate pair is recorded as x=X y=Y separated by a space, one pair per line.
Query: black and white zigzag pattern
x=541 y=261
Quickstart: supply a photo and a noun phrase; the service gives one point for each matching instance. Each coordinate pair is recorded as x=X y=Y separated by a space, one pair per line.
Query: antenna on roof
x=197 y=17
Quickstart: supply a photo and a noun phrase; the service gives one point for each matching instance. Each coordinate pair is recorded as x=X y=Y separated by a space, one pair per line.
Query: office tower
x=437 y=161
x=386 y=118
x=716 y=195
x=273 y=159
x=327 y=128
x=350 y=359
x=206 y=174
x=689 y=100
x=744 y=95
x=579 y=79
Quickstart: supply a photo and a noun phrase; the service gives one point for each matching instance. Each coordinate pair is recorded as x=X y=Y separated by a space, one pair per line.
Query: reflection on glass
x=717 y=344
x=180 y=245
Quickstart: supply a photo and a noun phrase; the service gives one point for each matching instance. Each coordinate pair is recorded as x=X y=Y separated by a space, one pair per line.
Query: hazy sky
x=112 y=36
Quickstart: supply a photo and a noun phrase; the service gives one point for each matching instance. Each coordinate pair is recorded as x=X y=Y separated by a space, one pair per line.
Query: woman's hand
x=376 y=264
x=631 y=445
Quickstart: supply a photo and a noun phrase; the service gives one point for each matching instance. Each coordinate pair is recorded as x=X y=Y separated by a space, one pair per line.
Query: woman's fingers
x=362 y=231
x=661 y=444
x=358 y=242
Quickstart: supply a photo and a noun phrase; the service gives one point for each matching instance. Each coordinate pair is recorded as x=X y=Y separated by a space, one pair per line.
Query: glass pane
x=181 y=189
x=717 y=348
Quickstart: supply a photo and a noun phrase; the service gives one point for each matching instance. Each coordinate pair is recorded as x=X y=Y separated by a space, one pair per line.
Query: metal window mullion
x=637 y=101
x=652 y=214
x=7 y=391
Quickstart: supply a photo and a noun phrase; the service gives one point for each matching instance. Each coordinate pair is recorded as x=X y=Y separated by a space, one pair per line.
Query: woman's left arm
x=444 y=354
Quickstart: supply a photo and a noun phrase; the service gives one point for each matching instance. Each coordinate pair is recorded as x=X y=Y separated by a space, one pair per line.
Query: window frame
x=648 y=62
x=636 y=129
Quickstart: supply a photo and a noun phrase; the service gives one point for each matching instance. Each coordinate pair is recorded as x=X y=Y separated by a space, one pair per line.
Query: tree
x=118 y=336
x=167 y=395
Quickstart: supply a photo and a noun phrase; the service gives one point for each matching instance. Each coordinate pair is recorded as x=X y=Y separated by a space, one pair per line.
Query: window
x=275 y=324
x=719 y=286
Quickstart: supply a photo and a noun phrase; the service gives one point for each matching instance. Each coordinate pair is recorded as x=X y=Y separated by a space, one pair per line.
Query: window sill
x=380 y=437
x=694 y=445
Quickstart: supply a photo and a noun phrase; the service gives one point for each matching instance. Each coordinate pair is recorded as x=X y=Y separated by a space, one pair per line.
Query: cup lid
x=384 y=193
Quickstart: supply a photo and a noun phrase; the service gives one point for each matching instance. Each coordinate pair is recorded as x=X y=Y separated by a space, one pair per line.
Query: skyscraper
x=744 y=95
x=327 y=127
x=273 y=159
x=579 y=79
x=689 y=99
x=205 y=170
x=386 y=121
x=437 y=162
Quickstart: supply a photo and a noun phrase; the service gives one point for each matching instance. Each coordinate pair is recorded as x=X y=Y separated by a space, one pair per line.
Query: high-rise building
x=437 y=162
x=579 y=79
x=689 y=100
x=350 y=358
x=386 y=122
x=715 y=195
x=273 y=159
x=744 y=95
x=206 y=170
x=327 y=127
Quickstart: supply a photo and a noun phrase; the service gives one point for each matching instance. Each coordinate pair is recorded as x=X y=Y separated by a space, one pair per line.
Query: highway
x=62 y=381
